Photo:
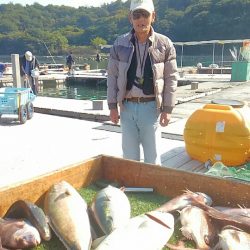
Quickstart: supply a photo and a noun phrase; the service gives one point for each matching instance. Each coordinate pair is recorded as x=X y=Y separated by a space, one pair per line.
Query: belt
x=140 y=99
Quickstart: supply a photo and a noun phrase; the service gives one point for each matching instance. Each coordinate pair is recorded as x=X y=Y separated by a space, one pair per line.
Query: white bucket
x=35 y=73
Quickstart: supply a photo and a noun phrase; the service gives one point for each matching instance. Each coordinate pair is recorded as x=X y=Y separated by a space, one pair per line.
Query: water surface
x=79 y=92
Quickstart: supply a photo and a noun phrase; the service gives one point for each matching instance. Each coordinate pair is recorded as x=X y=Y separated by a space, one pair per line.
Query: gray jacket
x=163 y=59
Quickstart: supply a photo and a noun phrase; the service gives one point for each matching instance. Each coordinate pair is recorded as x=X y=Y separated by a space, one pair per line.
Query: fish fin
x=47 y=219
x=157 y=220
x=107 y=197
x=97 y=242
x=232 y=227
x=67 y=192
x=241 y=207
x=63 y=195
x=187 y=191
x=245 y=213
x=20 y=241
x=19 y=223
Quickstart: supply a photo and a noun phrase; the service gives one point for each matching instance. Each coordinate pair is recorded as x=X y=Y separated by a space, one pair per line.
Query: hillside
x=60 y=28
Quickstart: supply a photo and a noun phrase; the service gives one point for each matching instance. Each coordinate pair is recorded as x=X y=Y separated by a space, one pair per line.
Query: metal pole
x=181 y=54
x=222 y=57
x=213 y=58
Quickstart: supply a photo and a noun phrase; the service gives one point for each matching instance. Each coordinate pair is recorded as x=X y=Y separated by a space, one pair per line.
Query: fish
x=1 y=247
x=197 y=226
x=16 y=234
x=232 y=238
x=234 y=211
x=149 y=231
x=184 y=200
x=110 y=209
x=223 y=219
x=68 y=217
x=23 y=209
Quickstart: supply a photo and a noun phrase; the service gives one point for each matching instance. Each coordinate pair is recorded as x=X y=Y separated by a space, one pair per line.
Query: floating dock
x=84 y=77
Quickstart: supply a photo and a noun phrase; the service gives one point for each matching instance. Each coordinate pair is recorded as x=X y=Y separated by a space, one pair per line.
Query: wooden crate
x=166 y=181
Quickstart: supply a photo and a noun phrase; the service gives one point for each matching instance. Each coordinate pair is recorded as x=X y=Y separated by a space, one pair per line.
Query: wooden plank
x=172 y=153
x=177 y=161
x=201 y=170
x=191 y=165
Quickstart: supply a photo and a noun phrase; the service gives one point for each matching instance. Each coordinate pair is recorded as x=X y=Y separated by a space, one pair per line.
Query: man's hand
x=164 y=119
x=114 y=116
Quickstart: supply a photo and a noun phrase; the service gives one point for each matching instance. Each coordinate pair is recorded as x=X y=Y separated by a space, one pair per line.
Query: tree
x=98 y=41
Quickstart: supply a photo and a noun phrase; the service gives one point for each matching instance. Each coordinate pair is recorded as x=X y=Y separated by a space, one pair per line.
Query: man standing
x=2 y=69
x=69 y=62
x=142 y=80
x=29 y=66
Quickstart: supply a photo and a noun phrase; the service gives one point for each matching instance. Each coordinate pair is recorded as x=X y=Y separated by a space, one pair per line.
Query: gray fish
x=110 y=209
x=197 y=226
x=22 y=209
x=184 y=200
x=68 y=217
x=232 y=238
x=17 y=234
x=141 y=232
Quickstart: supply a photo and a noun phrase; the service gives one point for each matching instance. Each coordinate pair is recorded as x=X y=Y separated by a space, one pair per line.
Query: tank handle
x=216 y=106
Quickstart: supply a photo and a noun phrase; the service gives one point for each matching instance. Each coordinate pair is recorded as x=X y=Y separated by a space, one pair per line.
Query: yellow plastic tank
x=220 y=131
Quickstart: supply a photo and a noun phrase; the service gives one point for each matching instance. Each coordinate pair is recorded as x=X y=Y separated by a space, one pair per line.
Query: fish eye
x=206 y=239
x=210 y=242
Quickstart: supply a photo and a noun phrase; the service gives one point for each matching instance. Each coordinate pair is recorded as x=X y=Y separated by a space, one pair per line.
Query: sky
x=72 y=3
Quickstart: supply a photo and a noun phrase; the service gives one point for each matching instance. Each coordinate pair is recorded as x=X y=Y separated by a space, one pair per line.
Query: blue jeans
x=140 y=126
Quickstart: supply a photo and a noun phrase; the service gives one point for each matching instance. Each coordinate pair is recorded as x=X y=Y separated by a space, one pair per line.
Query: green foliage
x=62 y=28
x=98 y=41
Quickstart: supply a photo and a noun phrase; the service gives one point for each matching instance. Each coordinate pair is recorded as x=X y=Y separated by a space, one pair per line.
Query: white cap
x=28 y=55
x=142 y=4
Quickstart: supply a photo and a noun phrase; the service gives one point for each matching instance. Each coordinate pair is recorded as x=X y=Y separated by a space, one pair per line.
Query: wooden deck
x=178 y=158
x=173 y=152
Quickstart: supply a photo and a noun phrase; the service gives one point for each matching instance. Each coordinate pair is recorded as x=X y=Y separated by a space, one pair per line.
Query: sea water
x=79 y=92
x=98 y=90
